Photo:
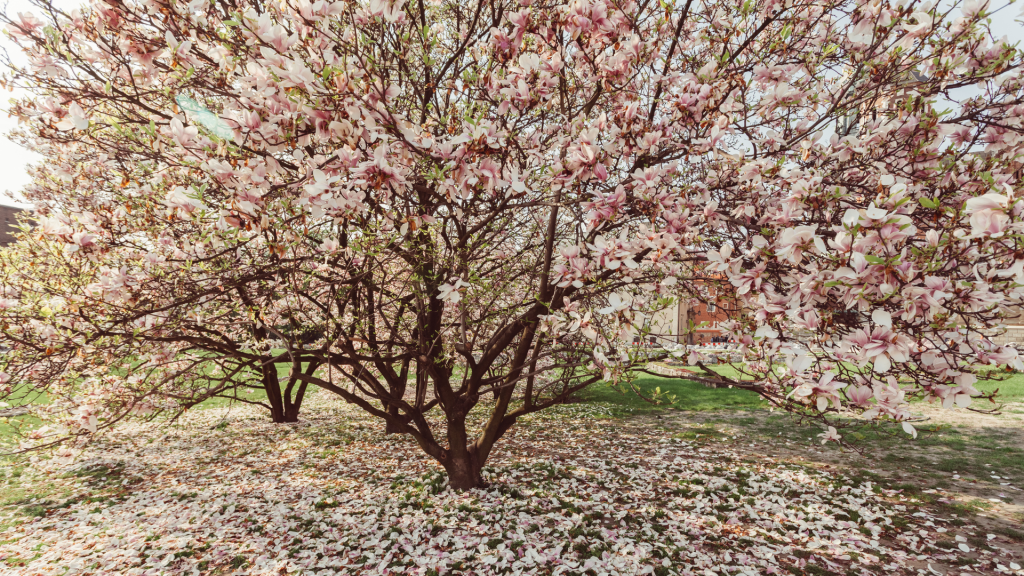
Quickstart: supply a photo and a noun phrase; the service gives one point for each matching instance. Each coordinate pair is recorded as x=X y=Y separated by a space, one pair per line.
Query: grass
x=1011 y=389
x=692 y=396
x=936 y=454
x=24 y=495
x=940 y=450
x=689 y=396
x=27 y=422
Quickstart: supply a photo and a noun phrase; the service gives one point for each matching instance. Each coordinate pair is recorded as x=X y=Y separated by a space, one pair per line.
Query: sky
x=14 y=159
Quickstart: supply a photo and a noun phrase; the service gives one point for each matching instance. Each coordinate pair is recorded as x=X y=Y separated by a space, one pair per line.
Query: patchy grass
x=551 y=470
x=979 y=465
x=939 y=448
x=570 y=494
x=26 y=495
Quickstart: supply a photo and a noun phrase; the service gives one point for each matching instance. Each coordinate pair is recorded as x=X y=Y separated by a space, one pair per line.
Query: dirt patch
x=1009 y=415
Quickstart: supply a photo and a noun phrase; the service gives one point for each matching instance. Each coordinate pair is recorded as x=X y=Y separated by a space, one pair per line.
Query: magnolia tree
x=416 y=206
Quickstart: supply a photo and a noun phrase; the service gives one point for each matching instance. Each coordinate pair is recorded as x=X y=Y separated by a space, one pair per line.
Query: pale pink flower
x=831 y=435
x=881 y=344
x=75 y=120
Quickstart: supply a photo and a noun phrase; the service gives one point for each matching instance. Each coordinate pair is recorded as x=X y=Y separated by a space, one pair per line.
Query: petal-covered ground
x=225 y=492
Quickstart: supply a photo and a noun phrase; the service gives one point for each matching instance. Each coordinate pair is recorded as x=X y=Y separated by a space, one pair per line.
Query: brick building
x=668 y=324
x=8 y=221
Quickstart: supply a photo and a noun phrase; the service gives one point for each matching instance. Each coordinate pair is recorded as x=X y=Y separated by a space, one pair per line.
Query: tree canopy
x=416 y=204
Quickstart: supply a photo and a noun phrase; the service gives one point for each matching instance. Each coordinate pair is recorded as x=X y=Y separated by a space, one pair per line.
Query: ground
x=605 y=486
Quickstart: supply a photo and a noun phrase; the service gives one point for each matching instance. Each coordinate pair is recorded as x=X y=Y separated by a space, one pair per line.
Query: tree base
x=465 y=476
x=286 y=418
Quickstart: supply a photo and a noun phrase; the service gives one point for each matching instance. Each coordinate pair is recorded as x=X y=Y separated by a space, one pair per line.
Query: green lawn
x=688 y=396
x=250 y=394
x=1010 y=390
x=693 y=396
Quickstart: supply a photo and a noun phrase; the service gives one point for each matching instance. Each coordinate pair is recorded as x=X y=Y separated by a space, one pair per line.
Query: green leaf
x=874 y=259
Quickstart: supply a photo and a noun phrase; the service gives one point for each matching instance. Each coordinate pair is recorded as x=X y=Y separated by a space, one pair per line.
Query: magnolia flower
x=583 y=324
x=83 y=239
x=178 y=49
x=719 y=260
x=179 y=200
x=826 y=389
x=882 y=345
x=321 y=183
x=972 y=8
x=181 y=134
x=890 y=400
x=859 y=395
x=26 y=24
x=451 y=292
x=987 y=202
x=882 y=318
x=989 y=223
x=612 y=255
x=390 y=12
x=616 y=303
x=529 y=61
x=829 y=436
x=793 y=241
x=75 y=120
x=922 y=25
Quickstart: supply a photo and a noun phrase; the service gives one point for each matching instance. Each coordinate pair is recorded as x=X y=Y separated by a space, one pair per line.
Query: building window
x=711 y=307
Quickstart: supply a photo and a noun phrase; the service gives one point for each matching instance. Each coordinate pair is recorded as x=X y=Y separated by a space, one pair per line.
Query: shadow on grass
x=986 y=459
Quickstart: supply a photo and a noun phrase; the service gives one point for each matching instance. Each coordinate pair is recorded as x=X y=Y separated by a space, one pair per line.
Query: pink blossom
x=881 y=344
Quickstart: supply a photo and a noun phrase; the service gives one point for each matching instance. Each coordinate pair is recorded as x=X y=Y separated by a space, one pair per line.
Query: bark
x=291 y=414
x=390 y=426
x=272 y=387
x=398 y=391
x=462 y=462
x=282 y=408
x=464 y=472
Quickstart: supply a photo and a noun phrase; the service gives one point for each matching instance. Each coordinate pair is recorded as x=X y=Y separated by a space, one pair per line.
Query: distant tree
x=433 y=201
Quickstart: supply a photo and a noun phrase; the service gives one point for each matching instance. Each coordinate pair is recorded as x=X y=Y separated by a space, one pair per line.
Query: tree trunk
x=464 y=473
x=461 y=461
x=272 y=387
x=391 y=427
x=398 y=391
x=281 y=410
x=291 y=406
x=291 y=414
